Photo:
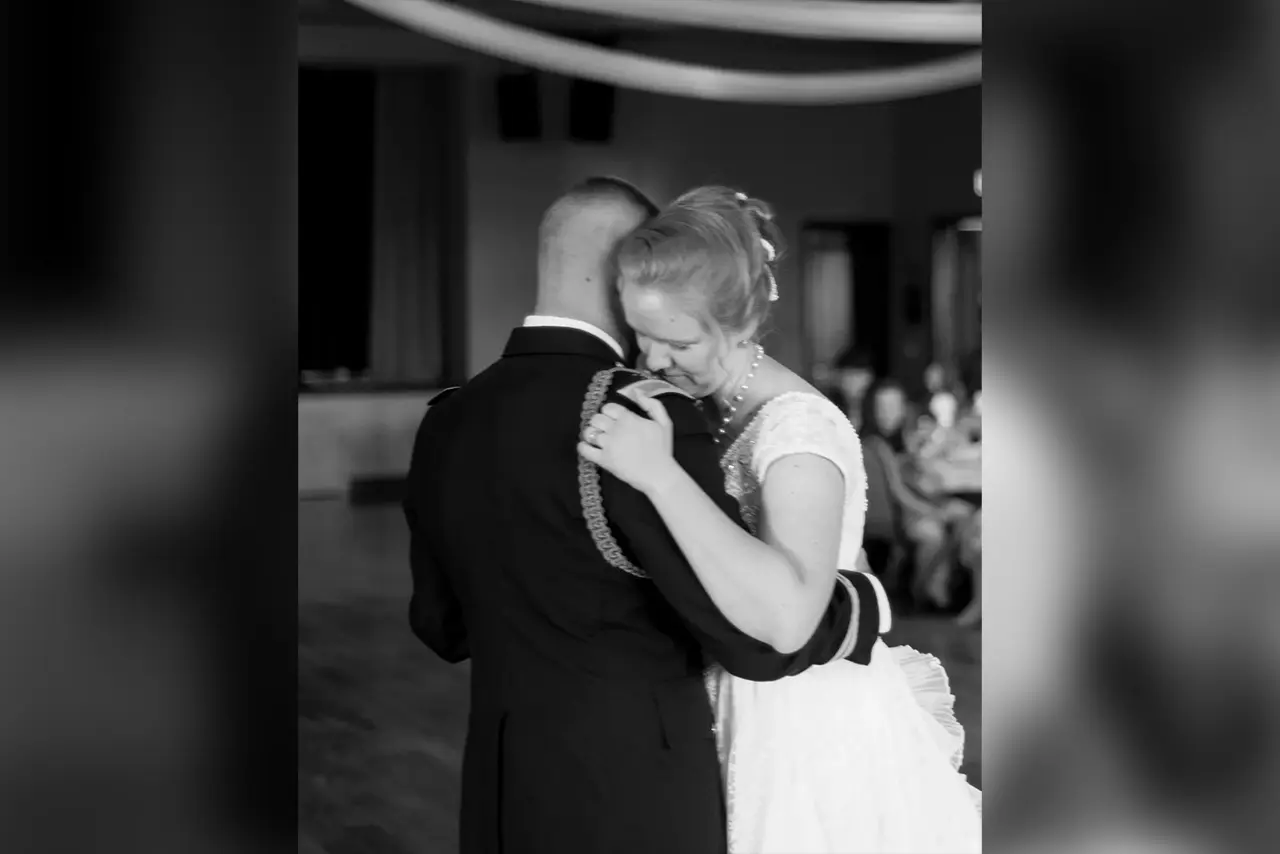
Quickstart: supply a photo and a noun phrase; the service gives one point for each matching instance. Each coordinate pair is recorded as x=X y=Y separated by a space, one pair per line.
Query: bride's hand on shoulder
x=634 y=449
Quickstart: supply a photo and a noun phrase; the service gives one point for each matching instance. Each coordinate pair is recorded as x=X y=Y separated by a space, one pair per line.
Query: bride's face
x=673 y=342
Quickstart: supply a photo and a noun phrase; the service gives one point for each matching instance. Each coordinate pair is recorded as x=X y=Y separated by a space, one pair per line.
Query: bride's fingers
x=656 y=410
x=590 y=453
x=616 y=411
x=601 y=422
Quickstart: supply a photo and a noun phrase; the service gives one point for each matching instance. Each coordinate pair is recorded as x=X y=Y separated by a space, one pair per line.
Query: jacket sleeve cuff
x=865 y=620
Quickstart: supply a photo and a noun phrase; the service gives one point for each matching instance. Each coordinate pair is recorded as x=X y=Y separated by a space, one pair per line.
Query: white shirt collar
x=571 y=323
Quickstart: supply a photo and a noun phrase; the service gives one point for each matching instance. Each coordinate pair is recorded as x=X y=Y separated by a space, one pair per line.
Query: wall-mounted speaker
x=519 y=107
x=591 y=111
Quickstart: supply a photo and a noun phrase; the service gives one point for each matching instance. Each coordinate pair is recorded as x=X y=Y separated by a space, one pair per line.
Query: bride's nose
x=656 y=358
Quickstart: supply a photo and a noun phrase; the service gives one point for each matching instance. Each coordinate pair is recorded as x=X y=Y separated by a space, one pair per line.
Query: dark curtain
x=410 y=229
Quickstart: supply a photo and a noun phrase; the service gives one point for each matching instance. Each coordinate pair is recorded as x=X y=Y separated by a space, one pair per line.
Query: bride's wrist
x=662 y=478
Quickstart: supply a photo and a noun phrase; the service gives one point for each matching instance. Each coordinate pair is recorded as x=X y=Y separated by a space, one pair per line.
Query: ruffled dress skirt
x=846 y=759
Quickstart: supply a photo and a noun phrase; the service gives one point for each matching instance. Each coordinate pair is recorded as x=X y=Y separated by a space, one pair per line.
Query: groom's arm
x=435 y=614
x=848 y=628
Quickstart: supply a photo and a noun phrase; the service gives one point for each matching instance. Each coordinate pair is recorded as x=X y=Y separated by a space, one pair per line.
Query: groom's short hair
x=608 y=185
x=596 y=190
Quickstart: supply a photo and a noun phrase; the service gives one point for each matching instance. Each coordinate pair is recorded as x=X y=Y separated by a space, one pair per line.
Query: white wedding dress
x=842 y=758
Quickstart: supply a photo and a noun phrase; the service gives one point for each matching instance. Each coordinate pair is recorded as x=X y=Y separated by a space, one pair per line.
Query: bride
x=843 y=757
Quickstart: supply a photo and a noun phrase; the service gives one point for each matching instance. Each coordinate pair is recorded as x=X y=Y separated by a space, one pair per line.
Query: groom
x=589 y=728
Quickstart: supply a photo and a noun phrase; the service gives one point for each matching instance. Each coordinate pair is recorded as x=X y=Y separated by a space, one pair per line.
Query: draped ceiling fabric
x=951 y=23
x=959 y=23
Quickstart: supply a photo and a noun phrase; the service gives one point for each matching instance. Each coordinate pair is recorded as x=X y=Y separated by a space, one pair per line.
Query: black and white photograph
x=639 y=427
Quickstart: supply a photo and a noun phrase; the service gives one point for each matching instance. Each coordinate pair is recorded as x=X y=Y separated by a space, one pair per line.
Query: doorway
x=846 y=271
x=957 y=291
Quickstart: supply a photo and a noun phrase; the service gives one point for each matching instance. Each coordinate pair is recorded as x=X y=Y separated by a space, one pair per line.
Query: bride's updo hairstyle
x=714 y=249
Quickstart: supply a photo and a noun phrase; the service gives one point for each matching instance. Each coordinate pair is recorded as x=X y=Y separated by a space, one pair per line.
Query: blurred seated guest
x=950 y=428
x=971 y=373
x=970 y=537
x=883 y=539
x=946 y=395
x=945 y=408
x=935 y=380
x=948 y=471
x=852 y=375
x=922 y=522
x=938 y=408
x=970 y=389
x=970 y=422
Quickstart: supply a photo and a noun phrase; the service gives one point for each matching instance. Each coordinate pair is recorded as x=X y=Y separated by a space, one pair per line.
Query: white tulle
x=842 y=758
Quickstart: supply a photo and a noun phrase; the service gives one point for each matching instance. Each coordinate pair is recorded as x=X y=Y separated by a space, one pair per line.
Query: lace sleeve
x=808 y=424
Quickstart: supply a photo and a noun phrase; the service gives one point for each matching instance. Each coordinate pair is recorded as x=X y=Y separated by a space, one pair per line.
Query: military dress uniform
x=587 y=631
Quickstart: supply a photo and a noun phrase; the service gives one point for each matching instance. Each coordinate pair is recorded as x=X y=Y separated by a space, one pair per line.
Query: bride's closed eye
x=670 y=345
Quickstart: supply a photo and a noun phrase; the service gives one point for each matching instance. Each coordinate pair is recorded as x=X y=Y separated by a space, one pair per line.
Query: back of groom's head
x=589 y=209
x=576 y=240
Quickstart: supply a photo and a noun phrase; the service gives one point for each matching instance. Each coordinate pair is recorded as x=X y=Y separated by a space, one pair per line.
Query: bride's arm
x=775 y=588
x=848 y=627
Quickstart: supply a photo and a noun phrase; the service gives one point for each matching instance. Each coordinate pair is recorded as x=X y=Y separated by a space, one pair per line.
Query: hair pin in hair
x=742 y=197
x=771 y=255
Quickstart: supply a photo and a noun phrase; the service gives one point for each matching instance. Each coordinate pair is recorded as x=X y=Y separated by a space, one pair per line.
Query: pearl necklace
x=731 y=406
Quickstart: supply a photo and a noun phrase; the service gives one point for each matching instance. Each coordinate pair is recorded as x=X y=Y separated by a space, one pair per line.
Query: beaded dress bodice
x=798 y=423
x=791 y=423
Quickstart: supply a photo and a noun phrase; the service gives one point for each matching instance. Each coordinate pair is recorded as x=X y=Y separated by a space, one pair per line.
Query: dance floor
x=381 y=720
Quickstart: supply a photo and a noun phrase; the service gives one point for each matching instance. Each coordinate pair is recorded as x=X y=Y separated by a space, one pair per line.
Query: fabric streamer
x=629 y=70
x=954 y=23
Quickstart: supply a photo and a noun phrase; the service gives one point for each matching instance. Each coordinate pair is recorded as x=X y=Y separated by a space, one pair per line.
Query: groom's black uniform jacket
x=590 y=731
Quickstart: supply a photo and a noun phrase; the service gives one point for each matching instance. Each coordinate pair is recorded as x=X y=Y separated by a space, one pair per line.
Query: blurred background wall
x=455 y=190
